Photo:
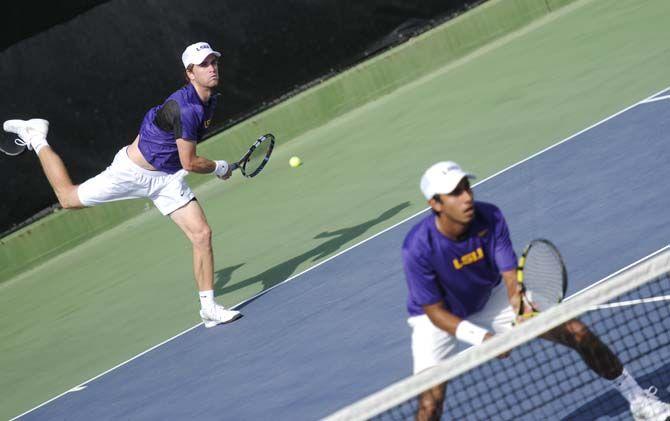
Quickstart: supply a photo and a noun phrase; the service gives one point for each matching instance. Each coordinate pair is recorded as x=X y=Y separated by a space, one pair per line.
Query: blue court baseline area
x=338 y=332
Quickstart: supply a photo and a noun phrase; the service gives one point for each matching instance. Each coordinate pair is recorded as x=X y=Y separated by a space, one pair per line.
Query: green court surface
x=131 y=288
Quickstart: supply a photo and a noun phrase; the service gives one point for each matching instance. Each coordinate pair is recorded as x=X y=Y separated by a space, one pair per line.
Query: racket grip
x=234 y=166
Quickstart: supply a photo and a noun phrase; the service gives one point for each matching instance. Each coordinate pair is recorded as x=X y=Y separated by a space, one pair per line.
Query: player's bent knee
x=577 y=329
x=202 y=237
x=69 y=198
x=65 y=204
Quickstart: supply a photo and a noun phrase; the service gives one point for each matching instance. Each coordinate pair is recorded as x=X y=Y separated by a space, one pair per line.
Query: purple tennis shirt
x=460 y=273
x=182 y=115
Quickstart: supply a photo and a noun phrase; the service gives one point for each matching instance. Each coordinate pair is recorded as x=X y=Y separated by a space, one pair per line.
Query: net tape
x=647 y=270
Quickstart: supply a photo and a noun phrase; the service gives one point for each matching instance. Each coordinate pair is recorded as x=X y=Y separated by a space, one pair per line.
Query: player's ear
x=188 y=73
x=435 y=203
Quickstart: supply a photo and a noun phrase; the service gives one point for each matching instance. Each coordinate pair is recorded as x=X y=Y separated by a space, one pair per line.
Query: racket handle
x=234 y=166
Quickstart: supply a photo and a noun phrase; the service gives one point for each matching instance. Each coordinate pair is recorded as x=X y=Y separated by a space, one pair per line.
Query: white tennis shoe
x=216 y=314
x=648 y=407
x=31 y=132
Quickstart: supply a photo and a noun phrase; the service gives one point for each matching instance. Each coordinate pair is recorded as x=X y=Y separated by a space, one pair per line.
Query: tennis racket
x=542 y=276
x=11 y=145
x=254 y=160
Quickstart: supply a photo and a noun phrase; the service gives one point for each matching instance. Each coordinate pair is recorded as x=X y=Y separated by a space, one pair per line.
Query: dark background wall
x=21 y=20
x=93 y=68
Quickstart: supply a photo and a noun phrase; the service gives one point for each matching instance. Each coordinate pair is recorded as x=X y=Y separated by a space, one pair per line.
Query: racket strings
x=259 y=155
x=544 y=275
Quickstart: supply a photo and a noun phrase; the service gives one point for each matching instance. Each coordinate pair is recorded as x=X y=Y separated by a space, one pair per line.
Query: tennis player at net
x=461 y=275
x=154 y=165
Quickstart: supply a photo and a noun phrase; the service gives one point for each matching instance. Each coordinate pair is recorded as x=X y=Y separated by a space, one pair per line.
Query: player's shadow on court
x=613 y=405
x=283 y=271
x=222 y=277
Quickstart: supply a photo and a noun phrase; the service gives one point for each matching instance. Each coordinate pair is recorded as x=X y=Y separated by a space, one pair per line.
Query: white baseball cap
x=197 y=53
x=442 y=178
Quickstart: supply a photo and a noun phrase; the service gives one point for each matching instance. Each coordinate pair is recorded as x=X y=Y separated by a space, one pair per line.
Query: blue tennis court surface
x=338 y=332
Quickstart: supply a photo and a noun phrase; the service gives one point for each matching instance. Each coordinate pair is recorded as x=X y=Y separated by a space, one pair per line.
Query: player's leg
x=594 y=352
x=430 y=345
x=58 y=177
x=498 y=315
x=644 y=405
x=431 y=403
x=34 y=133
x=192 y=221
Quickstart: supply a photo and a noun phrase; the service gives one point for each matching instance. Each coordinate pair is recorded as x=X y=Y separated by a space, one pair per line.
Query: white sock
x=207 y=299
x=627 y=386
x=38 y=144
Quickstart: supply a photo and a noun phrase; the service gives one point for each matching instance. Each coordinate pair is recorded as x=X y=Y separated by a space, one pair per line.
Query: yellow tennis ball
x=294 y=162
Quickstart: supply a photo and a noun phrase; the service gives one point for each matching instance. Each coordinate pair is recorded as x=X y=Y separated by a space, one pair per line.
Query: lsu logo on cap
x=468 y=259
x=203 y=46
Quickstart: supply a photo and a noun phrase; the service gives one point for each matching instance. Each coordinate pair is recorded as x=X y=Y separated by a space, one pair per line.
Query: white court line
x=82 y=385
x=660 y=98
x=631 y=302
x=575 y=135
x=610 y=276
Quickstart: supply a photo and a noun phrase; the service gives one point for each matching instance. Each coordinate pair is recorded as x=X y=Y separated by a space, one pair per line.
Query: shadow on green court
x=283 y=271
x=222 y=277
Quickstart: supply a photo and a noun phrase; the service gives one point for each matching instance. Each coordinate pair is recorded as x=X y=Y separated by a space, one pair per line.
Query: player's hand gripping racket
x=254 y=160
x=542 y=277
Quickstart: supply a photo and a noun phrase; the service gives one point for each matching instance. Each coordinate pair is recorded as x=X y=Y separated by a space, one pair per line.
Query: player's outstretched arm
x=191 y=162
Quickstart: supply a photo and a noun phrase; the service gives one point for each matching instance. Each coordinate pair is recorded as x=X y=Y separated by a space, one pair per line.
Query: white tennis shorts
x=124 y=179
x=430 y=344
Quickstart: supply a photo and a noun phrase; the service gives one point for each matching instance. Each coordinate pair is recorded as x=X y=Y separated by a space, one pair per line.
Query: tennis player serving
x=154 y=165
x=461 y=274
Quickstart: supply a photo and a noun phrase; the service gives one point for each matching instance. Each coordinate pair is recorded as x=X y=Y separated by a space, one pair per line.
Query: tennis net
x=629 y=311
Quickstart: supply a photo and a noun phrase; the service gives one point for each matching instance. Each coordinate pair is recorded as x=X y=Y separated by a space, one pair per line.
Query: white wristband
x=470 y=333
x=221 y=168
